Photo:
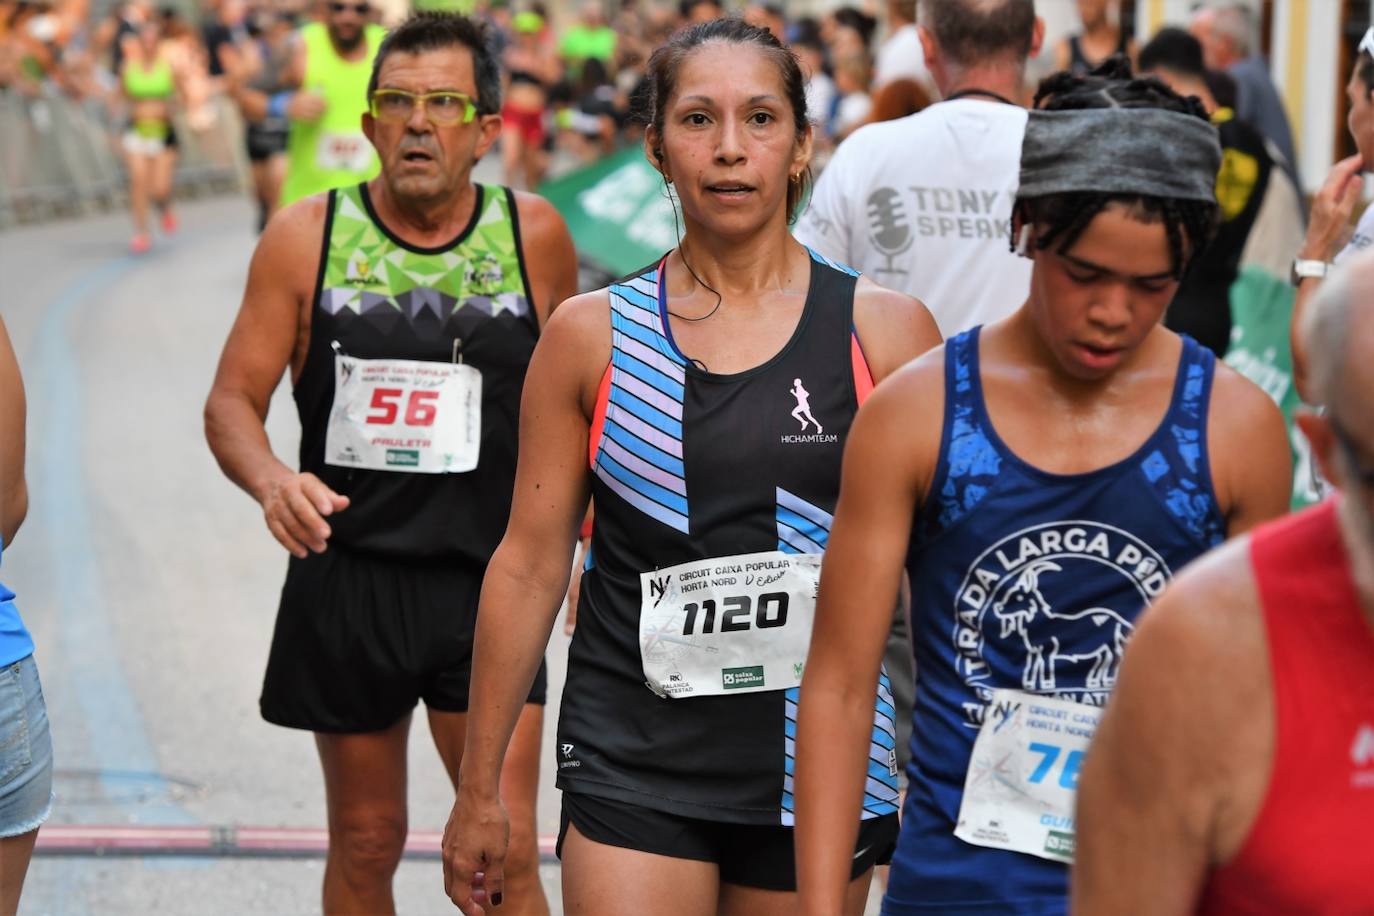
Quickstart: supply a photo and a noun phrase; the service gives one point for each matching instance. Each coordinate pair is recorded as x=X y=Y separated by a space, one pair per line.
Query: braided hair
x=1062 y=218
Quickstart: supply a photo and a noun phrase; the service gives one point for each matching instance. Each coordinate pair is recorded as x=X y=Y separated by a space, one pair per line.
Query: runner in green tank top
x=421 y=272
x=326 y=147
x=150 y=85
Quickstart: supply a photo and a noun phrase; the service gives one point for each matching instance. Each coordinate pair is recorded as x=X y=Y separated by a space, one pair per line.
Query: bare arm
x=14 y=491
x=525 y=583
x=266 y=334
x=887 y=465
x=1332 y=207
x=1173 y=778
x=548 y=254
x=1251 y=460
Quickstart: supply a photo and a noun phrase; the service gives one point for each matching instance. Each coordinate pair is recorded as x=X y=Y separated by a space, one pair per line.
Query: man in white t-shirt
x=1334 y=204
x=923 y=204
x=900 y=55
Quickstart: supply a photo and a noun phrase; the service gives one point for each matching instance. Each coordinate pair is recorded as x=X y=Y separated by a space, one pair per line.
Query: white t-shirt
x=923 y=205
x=901 y=57
x=853 y=111
x=820 y=98
x=1362 y=239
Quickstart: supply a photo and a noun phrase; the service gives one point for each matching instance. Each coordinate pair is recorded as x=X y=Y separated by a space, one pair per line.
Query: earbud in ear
x=1023 y=241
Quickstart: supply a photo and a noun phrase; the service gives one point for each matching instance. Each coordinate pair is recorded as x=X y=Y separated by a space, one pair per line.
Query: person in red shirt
x=1233 y=771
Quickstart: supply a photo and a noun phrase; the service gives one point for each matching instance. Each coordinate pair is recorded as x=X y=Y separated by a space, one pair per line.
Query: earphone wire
x=682 y=253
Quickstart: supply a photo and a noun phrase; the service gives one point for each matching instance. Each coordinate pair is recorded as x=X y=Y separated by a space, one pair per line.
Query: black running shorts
x=360 y=639
x=750 y=855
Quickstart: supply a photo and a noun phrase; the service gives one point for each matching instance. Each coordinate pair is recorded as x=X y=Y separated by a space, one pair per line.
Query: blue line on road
x=118 y=738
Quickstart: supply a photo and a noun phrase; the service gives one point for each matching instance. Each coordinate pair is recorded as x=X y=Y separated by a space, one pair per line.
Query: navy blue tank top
x=689 y=465
x=1031 y=581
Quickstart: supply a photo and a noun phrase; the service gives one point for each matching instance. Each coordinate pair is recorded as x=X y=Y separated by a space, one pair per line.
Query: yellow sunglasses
x=443 y=109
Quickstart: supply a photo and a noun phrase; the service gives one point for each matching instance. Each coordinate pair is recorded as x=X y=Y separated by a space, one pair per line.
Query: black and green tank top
x=378 y=297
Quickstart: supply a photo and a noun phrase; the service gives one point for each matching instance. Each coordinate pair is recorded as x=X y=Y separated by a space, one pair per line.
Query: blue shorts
x=25 y=750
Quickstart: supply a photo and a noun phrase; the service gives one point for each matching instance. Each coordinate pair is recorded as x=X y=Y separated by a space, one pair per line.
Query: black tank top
x=690 y=465
x=379 y=297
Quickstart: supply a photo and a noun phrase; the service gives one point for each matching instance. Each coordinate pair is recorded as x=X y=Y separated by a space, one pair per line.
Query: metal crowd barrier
x=62 y=157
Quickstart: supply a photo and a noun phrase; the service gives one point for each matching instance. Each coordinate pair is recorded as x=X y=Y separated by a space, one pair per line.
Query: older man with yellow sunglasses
x=406 y=308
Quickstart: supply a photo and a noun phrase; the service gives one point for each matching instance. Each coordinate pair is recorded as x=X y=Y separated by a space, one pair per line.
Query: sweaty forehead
x=426 y=71
x=727 y=72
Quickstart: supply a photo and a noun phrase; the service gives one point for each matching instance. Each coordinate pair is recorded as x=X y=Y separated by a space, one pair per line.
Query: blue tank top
x=15 y=642
x=994 y=530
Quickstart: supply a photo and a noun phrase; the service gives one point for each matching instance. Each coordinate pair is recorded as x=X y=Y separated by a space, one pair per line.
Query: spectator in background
x=821 y=95
x=1102 y=36
x=588 y=37
x=1202 y=306
x=848 y=31
x=1236 y=298
x=898 y=99
x=767 y=16
x=900 y=55
x=1227 y=34
x=698 y=11
x=531 y=68
x=852 y=75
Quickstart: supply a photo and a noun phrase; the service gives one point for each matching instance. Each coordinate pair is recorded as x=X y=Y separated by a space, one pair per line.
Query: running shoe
x=140 y=243
x=169 y=222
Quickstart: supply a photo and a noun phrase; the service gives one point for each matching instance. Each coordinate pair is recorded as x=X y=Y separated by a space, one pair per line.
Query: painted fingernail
x=496 y=899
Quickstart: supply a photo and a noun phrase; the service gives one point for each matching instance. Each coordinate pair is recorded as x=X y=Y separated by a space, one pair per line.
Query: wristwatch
x=1303 y=268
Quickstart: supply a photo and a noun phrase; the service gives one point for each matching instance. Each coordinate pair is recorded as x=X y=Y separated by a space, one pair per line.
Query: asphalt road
x=150 y=582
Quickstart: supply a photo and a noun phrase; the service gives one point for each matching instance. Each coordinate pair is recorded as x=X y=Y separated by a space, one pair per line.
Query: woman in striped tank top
x=704 y=403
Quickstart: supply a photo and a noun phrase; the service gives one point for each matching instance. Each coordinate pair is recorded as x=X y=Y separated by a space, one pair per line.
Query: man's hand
x=1331 y=209
x=475 y=844
x=306 y=106
x=295 y=509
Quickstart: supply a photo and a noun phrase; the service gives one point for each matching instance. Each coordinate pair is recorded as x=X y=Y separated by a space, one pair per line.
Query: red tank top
x=1311 y=849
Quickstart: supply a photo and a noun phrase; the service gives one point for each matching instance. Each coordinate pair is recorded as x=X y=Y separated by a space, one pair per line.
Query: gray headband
x=1145 y=151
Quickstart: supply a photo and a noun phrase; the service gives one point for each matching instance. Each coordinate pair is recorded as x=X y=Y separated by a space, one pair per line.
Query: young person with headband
x=1041 y=478
x=705 y=403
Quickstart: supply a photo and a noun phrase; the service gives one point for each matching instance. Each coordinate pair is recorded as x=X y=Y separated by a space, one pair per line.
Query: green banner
x=617 y=211
x=1261 y=310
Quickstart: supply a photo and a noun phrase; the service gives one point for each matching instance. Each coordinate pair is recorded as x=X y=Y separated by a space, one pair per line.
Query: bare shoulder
x=286 y=262
x=583 y=321
x=540 y=222
x=893 y=327
x=1250 y=454
x=1204 y=614
x=1240 y=402
x=296 y=232
x=1195 y=685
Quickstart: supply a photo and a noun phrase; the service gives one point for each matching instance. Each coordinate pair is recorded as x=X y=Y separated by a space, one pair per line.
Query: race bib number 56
x=728 y=625
x=404 y=415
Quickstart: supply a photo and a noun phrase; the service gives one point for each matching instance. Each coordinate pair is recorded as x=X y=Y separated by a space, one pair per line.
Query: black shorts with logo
x=750 y=855
x=360 y=639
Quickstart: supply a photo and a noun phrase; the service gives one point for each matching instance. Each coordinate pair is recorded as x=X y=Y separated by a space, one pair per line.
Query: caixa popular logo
x=1049 y=610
